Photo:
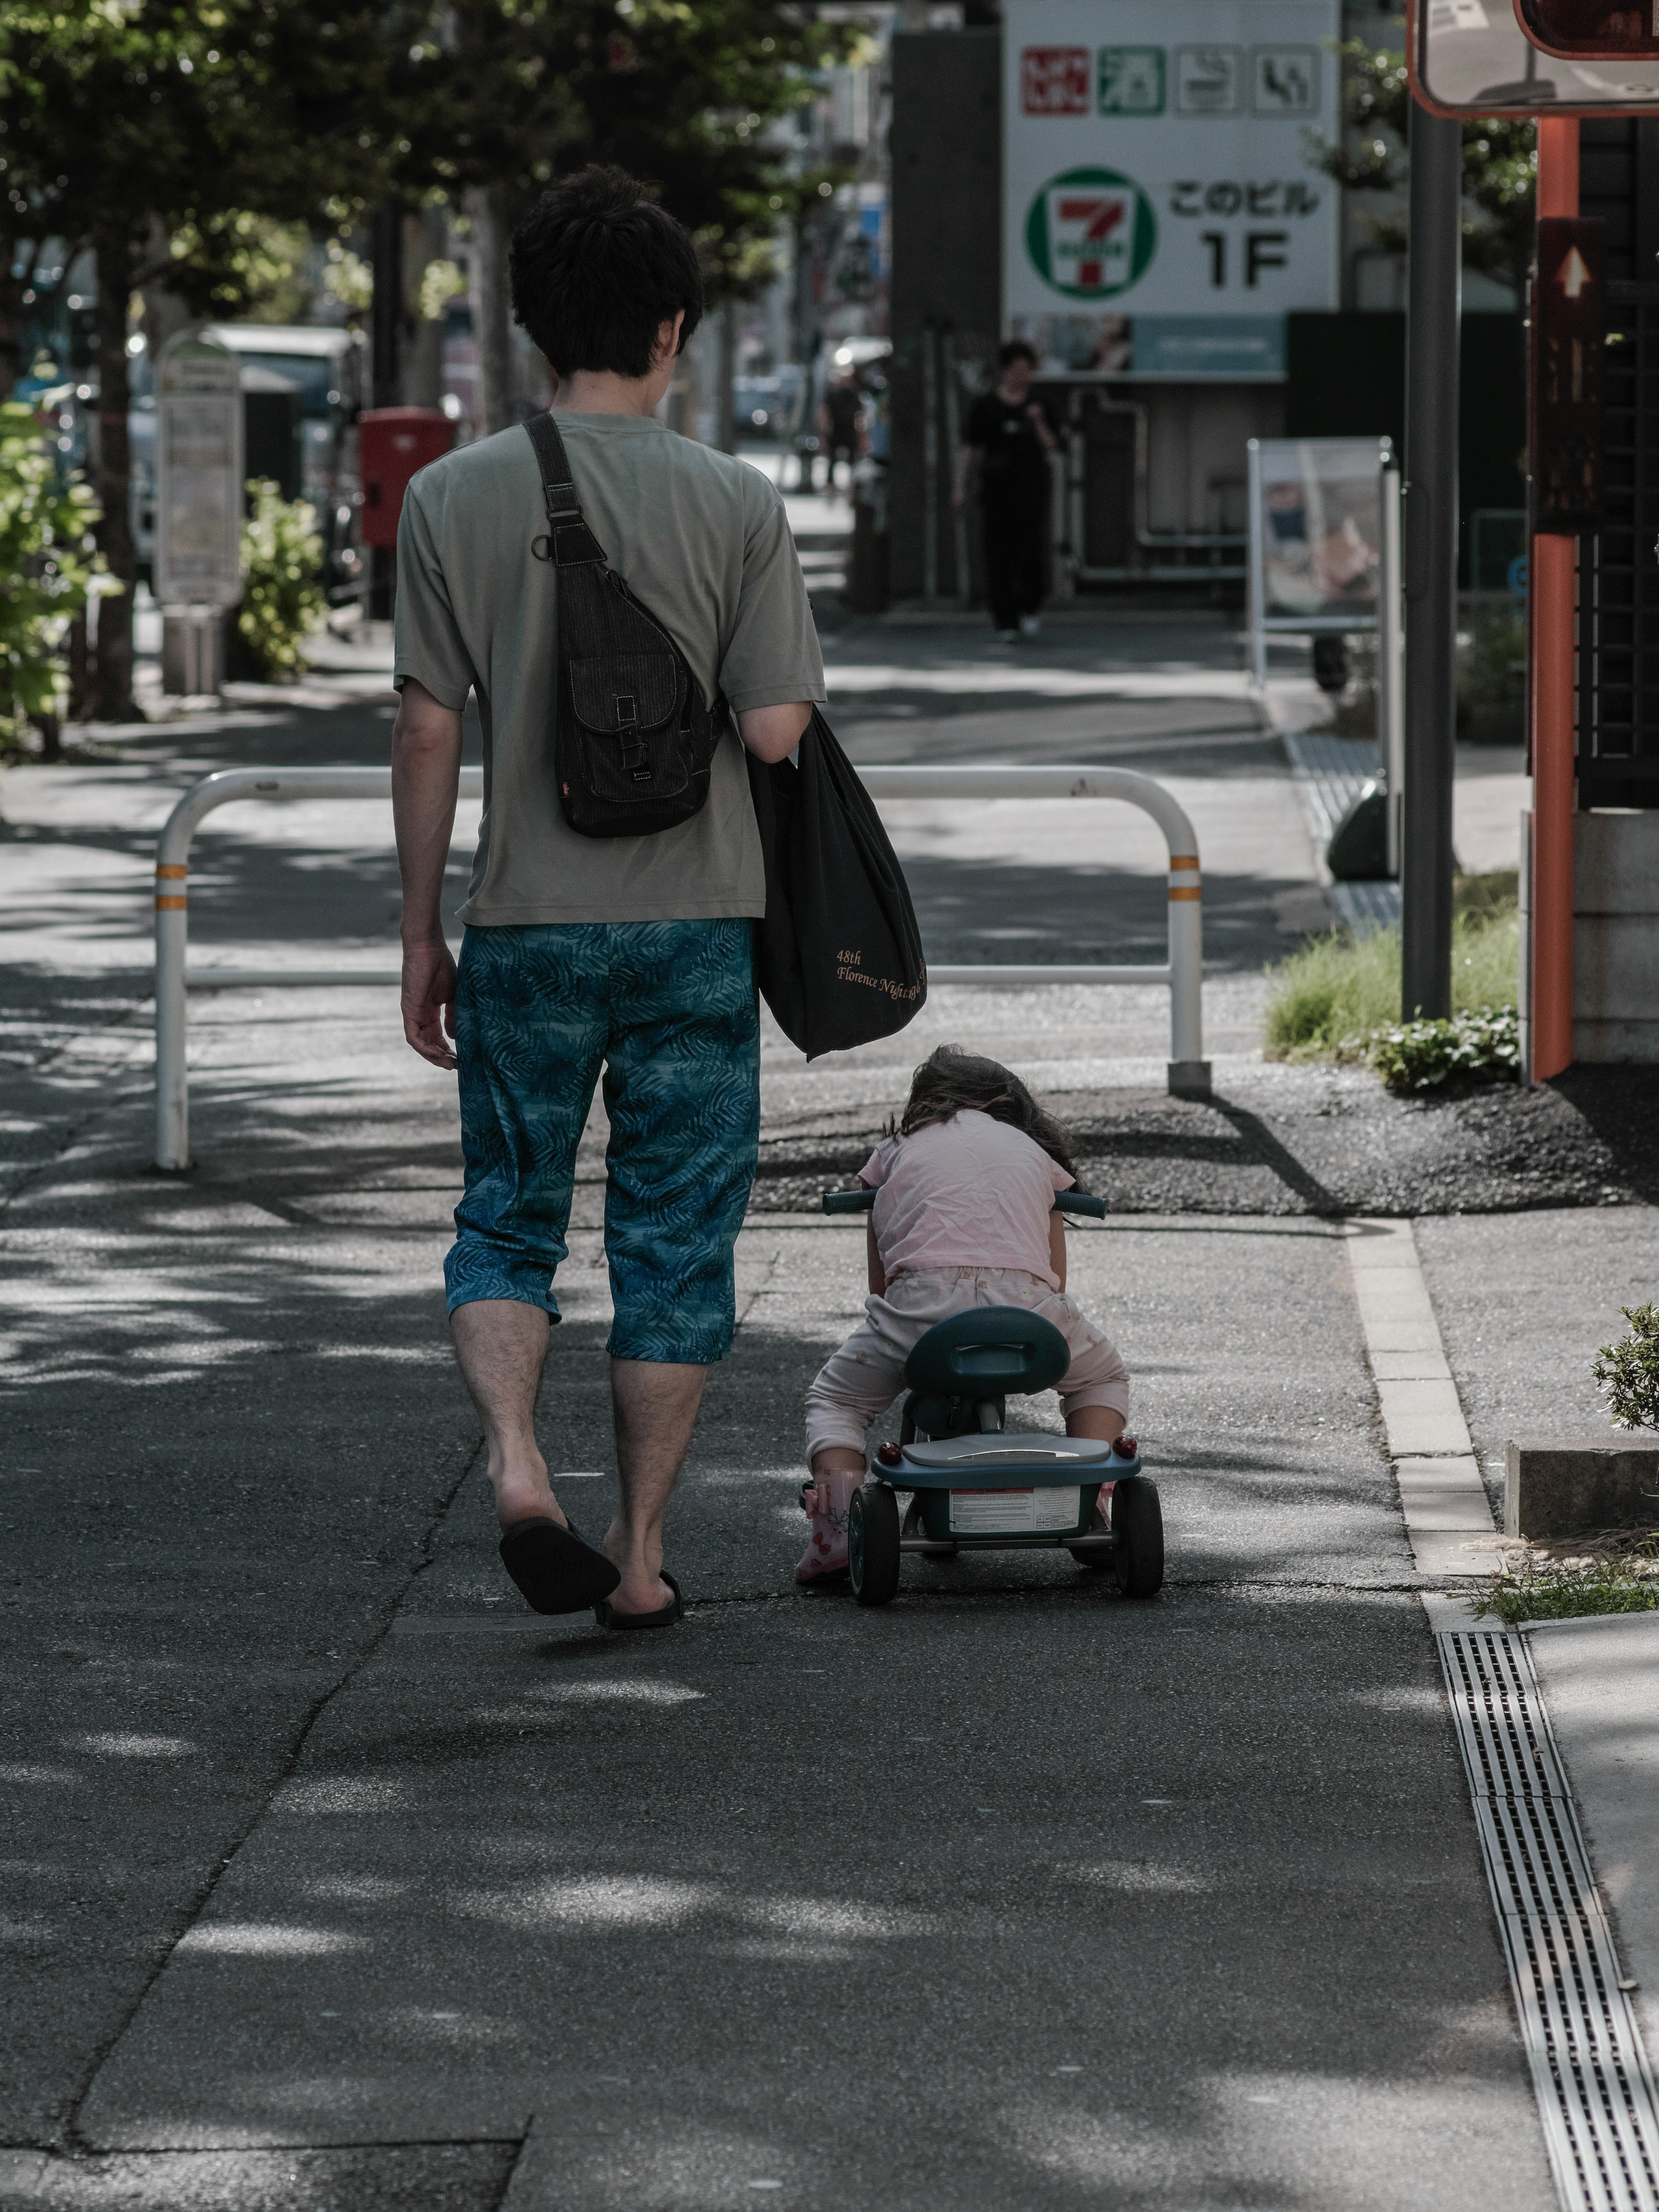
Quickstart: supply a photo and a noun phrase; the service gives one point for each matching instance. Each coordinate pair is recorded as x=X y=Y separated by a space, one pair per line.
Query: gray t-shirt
x=701 y=539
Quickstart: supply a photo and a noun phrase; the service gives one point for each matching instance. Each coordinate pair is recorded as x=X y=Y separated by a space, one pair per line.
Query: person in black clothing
x=840 y=422
x=1008 y=433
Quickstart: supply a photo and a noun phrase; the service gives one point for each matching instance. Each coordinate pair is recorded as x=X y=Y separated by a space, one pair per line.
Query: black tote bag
x=838 y=956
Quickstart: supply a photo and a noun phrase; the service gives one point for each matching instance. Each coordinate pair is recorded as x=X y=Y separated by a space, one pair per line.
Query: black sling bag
x=632 y=740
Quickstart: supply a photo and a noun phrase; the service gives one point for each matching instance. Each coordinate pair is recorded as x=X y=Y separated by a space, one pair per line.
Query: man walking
x=628 y=953
x=1008 y=433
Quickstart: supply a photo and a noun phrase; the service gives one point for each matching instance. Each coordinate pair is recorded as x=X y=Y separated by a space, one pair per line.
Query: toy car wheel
x=873 y=1544
x=1138 y=1526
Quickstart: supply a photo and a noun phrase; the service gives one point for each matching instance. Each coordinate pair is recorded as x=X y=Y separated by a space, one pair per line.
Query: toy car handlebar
x=848 y=1201
x=860 y=1201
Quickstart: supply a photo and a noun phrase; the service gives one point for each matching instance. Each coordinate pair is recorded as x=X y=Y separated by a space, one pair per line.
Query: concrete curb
x=1441 y=1493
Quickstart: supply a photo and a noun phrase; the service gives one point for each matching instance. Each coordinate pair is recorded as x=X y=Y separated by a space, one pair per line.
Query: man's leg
x=529 y=1033
x=655 y=1406
x=682 y=1088
x=501 y=1345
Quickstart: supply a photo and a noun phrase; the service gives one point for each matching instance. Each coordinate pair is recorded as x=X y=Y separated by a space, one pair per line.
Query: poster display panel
x=1315 y=531
x=1161 y=210
x=198 y=474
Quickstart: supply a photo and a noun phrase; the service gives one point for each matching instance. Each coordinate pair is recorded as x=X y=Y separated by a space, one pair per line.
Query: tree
x=1500 y=164
x=43 y=527
x=514 y=92
x=128 y=124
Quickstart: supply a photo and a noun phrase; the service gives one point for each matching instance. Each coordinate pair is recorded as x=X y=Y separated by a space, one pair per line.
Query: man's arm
x=772 y=733
x=426 y=767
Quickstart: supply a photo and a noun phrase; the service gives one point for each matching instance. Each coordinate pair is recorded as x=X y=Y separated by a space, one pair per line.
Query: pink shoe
x=826 y=1502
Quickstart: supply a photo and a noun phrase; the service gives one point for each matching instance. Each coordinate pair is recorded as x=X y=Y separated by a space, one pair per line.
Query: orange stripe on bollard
x=165 y=904
x=170 y=868
x=1176 y=891
x=1184 y=860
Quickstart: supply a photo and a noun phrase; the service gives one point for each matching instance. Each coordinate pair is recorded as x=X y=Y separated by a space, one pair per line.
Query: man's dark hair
x=597 y=268
x=1016 y=350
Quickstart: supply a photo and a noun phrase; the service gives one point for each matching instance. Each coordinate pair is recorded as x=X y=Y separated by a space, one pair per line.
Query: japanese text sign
x=198 y=474
x=1159 y=170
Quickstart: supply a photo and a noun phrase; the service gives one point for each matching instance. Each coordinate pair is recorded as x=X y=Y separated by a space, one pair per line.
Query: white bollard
x=1188 y=1070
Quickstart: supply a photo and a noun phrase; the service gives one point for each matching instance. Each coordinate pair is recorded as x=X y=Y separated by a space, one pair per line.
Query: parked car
x=765 y=406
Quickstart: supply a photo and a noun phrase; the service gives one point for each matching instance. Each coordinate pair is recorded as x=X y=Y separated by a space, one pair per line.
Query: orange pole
x=1551 y=580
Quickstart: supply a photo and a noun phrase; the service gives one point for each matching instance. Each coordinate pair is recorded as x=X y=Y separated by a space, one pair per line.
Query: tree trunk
x=425 y=242
x=113 y=245
x=80 y=668
x=491 y=321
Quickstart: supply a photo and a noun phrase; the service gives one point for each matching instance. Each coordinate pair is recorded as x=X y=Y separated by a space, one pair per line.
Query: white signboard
x=198 y=474
x=1161 y=213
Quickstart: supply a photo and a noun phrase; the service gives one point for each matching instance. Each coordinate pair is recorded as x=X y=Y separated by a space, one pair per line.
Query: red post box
x=392 y=443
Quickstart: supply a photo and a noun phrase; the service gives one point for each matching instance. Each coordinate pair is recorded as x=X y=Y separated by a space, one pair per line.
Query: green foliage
x=282 y=598
x=1492 y=673
x=1333 y=988
x=1629 y=1370
x=1339 y=998
x=45 y=524
x=245 y=265
x=1534 y=1588
x=1500 y=162
x=1336 y=995
x=516 y=92
x=1483 y=1047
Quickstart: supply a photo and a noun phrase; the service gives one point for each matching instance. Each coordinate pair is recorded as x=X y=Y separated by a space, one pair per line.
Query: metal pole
x=953 y=438
x=385 y=368
x=1552 y=578
x=1390 y=665
x=1188 y=1071
x=929 y=465
x=1433 y=313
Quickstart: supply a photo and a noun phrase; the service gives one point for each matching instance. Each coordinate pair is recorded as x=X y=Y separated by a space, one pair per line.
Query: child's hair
x=949 y=1080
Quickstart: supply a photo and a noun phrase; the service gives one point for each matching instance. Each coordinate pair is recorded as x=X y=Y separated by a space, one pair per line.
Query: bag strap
x=569 y=541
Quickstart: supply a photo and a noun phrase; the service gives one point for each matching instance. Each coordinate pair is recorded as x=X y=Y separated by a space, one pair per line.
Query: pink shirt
x=970 y=1192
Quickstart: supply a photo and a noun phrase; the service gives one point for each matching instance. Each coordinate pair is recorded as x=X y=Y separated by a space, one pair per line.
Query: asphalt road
x=1016 y=1894
x=336 y=1880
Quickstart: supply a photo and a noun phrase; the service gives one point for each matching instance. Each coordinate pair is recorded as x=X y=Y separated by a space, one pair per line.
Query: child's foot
x=825 y=1502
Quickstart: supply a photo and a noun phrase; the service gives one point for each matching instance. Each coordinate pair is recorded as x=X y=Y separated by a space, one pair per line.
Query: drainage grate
x=1595 y=2094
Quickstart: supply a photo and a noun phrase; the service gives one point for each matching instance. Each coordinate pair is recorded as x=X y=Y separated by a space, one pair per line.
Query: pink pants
x=857 y=1384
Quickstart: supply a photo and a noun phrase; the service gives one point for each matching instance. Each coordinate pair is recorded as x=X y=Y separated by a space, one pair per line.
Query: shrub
x=1491 y=669
x=282 y=599
x=45 y=523
x=1334 y=992
x=1333 y=989
x=1483 y=1047
x=1564 y=1590
x=1628 y=1371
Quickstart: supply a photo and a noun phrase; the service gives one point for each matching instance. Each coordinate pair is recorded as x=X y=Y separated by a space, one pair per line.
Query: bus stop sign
x=1569 y=341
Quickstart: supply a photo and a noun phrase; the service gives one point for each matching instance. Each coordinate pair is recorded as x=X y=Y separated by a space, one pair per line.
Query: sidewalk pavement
x=323 y=1842
x=338 y=1881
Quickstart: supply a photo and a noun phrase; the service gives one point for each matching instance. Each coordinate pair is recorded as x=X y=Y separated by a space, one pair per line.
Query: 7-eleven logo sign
x=1091 y=233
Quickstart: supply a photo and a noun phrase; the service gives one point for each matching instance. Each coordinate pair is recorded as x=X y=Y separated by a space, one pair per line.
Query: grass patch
x=1619 y=1574
x=1332 y=994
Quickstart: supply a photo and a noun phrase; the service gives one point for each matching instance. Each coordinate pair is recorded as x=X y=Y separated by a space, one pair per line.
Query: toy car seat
x=962 y=1370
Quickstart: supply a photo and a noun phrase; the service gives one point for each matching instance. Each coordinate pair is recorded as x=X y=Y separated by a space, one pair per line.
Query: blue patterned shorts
x=668 y=1009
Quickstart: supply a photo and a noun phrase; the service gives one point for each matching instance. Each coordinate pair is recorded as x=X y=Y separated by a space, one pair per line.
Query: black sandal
x=664 y=1617
x=555 y=1569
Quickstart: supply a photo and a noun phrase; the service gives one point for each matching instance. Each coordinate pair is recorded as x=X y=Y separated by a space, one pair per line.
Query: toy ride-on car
x=974 y=1487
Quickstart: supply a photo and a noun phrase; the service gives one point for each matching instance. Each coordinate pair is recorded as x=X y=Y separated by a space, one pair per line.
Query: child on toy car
x=963 y=1217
